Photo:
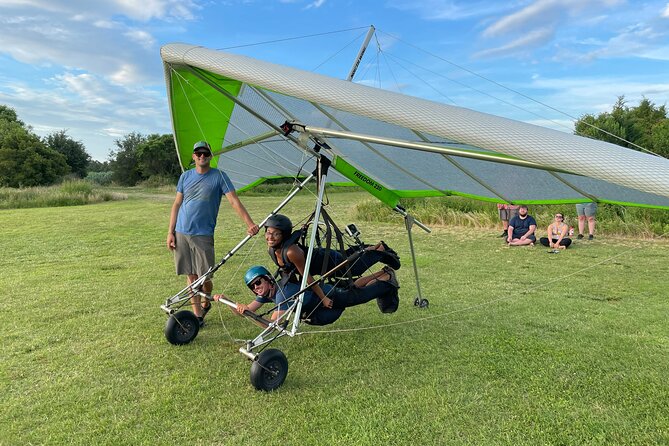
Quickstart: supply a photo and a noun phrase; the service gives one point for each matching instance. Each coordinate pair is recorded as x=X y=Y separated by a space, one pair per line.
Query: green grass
x=69 y=193
x=517 y=347
x=459 y=211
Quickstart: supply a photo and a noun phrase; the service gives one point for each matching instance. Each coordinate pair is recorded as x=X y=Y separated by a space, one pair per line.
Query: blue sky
x=94 y=68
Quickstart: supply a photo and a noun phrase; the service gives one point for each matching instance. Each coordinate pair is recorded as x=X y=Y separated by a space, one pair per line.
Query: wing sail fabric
x=236 y=101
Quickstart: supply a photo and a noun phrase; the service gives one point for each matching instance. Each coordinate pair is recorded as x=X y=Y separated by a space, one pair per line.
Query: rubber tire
x=269 y=370
x=181 y=328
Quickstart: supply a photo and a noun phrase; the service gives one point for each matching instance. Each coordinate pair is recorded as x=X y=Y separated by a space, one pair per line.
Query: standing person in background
x=190 y=233
x=506 y=213
x=586 y=211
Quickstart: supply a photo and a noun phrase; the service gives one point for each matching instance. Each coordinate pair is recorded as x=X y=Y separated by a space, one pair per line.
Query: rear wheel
x=269 y=370
x=181 y=328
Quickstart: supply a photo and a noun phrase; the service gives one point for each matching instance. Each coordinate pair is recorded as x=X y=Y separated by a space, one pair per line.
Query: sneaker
x=503 y=234
x=200 y=319
x=590 y=237
x=392 y=277
x=580 y=236
x=389 y=302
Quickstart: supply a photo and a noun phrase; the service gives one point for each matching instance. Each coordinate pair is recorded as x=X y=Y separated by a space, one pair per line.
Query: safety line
x=461 y=310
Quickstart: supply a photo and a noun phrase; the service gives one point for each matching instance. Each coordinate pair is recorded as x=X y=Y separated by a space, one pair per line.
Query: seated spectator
x=557 y=234
x=521 y=229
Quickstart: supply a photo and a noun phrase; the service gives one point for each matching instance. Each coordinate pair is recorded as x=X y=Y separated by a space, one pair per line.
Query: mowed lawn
x=517 y=347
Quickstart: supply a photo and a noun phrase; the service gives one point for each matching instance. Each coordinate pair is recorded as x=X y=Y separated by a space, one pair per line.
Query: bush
x=158 y=181
x=100 y=178
x=77 y=187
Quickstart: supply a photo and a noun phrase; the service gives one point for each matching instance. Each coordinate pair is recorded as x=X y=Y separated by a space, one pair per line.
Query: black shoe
x=503 y=234
x=201 y=321
x=590 y=237
x=390 y=258
x=392 y=279
x=580 y=236
x=389 y=302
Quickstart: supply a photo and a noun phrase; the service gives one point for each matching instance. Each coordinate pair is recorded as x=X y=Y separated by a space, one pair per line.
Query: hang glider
x=391 y=144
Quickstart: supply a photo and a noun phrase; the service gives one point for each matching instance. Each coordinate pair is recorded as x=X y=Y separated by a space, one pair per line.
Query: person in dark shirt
x=521 y=229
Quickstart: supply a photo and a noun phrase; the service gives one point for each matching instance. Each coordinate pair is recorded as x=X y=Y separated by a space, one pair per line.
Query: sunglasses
x=559 y=216
x=256 y=282
x=202 y=154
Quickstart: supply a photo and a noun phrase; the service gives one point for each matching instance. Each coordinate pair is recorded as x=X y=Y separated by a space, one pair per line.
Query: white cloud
x=451 y=9
x=665 y=12
x=316 y=4
x=528 y=41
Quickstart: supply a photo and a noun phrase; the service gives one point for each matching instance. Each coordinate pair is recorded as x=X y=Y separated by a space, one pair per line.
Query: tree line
x=28 y=160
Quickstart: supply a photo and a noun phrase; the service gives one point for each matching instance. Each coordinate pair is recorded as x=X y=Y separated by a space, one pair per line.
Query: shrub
x=100 y=178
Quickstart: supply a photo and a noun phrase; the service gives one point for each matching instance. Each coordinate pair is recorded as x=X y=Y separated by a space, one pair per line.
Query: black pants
x=564 y=242
x=342 y=298
x=322 y=261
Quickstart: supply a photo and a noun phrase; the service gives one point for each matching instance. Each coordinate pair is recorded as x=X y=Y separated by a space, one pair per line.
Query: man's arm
x=530 y=231
x=171 y=240
x=296 y=257
x=238 y=206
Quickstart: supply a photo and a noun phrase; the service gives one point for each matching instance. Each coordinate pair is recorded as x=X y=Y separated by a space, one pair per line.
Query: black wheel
x=181 y=328
x=269 y=370
x=423 y=303
x=416 y=301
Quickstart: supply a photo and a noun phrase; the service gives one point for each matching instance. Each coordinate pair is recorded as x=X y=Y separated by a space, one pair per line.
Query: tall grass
x=69 y=193
x=458 y=211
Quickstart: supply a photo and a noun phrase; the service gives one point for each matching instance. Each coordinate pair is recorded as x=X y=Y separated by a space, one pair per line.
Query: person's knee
x=582 y=217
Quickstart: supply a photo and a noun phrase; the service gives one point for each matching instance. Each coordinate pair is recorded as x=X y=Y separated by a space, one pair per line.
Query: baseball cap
x=201 y=146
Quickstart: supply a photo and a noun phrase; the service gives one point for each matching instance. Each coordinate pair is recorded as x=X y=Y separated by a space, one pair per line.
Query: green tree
x=157 y=156
x=75 y=152
x=124 y=162
x=645 y=125
x=9 y=114
x=99 y=166
x=25 y=160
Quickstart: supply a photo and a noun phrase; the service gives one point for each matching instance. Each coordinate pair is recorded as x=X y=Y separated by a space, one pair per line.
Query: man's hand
x=241 y=308
x=171 y=241
x=327 y=302
x=253 y=230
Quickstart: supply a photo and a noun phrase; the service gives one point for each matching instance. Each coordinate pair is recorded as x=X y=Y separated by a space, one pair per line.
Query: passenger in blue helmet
x=381 y=286
x=190 y=233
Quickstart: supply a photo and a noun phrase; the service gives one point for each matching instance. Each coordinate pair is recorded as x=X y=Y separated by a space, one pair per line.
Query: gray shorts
x=507 y=214
x=587 y=209
x=194 y=254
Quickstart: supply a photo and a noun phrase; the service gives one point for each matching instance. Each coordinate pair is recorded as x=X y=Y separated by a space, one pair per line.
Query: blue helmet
x=254 y=272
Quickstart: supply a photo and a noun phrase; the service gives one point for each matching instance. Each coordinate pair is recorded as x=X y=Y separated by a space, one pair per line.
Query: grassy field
x=517 y=347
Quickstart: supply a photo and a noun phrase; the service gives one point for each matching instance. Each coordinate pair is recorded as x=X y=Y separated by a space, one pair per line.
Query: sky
x=93 y=68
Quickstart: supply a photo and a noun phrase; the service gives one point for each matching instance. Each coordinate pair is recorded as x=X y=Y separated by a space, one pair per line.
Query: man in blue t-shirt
x=521 y=228
x=193 y=218
x=381 y=286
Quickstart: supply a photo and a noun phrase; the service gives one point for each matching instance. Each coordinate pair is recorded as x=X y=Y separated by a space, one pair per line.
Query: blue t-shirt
x=202 y=199
x=283 y=294
x=521 y=226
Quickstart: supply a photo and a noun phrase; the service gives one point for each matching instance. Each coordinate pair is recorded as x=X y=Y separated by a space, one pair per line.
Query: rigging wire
x=480 y=305
x=336 y=53
x=293 y=38
x=529 y=98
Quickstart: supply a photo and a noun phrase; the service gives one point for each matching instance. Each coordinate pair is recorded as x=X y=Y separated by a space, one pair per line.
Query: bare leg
x=195 y=299
x=581 y=224
x=591 y=225
x=368 y=280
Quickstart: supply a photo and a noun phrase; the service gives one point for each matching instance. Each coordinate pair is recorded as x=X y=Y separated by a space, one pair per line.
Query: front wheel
x=181 y=328
x=269 y=370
